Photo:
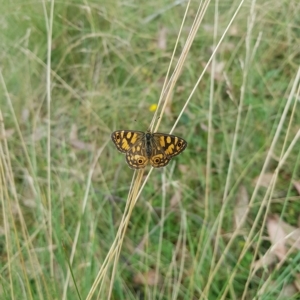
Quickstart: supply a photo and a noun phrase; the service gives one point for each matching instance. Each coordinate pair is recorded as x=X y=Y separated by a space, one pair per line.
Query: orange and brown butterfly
x=142 y=148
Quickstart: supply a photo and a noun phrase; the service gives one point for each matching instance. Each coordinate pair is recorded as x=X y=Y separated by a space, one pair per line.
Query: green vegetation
x=221 y=221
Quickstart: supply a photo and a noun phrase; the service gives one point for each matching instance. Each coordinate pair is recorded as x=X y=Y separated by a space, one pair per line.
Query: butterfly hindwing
x=159 y=159
x=136 y=156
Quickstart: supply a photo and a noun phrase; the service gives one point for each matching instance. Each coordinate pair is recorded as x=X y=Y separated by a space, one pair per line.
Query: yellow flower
x=153 y=107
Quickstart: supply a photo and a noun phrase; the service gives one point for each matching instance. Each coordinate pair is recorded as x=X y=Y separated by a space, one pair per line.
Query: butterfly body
x=148 y=144
x=142 y=148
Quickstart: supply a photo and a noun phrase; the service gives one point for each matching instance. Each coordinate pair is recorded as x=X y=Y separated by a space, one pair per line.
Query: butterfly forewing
x=171 y=145
x=125 y=139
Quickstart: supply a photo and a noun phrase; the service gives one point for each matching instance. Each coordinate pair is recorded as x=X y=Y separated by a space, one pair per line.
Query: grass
x=221 y=221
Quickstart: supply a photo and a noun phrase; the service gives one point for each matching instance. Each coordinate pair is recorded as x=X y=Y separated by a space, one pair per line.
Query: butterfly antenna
x=150 y=129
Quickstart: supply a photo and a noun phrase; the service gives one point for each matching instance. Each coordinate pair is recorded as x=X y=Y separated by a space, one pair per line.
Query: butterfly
x=142 y=148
